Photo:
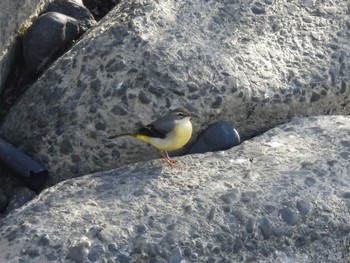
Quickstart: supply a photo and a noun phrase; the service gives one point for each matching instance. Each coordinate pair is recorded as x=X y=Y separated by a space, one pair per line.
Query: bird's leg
x=168 y=160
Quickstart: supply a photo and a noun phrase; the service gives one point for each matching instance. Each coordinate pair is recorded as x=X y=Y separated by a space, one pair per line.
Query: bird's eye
x=181 y=114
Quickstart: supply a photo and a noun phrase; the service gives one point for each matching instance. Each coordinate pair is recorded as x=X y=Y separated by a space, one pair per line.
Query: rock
x=74 y=9
x=219 y=136
x=20 y=196
x=46 y=38
x=137 y=212
x=14 y=17
x=147 y=62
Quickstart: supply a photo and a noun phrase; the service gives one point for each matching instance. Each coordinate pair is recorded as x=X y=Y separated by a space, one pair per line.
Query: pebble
x=265 y=227
x=304 y=207
x=288 y=216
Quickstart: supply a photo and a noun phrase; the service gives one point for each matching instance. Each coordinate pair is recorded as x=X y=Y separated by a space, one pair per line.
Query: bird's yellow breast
x=174 y=140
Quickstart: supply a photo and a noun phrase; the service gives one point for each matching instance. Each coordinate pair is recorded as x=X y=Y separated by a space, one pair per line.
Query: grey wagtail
x=167 y=133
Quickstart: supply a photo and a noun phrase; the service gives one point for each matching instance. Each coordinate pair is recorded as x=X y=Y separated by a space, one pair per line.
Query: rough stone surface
x=253 y=203
x=258 y=63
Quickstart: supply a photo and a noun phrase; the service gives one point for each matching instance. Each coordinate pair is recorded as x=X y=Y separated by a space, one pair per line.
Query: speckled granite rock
x=280 y=197
x=256 y=62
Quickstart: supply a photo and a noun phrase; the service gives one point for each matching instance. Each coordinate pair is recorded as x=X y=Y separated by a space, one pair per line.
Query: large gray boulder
x=258 y=63
x=280 y=197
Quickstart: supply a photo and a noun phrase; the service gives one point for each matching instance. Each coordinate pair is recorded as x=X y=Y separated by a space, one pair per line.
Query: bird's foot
x=171 y=162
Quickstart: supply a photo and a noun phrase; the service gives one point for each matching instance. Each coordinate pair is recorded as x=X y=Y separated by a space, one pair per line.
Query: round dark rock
x=250 y=225
x=218 y=136
x=78 y=252
x=73 y=9
x=288 y=216
x=21 y=195
x=144 y=97
x=304 y=207
x=95 y=253
x=175 y=256
x=231 y=196
x=265 y=227
x=300 y=241
x=47 y=38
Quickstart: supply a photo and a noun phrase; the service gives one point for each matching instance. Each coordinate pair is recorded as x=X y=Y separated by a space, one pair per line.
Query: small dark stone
x=315 y=97
x=346 y=195
x=218 y=136
x=95 y=85
x=187 y=251
x=153 y=249
x=304 y=207
x=141 y=229
x=123 y=259
x=158 y=91
x=66 y=146
x=144 y=98
x=283 y=231
x=31 y=252
x=115 y=65
x=177 y=92
x=77 y=253
x=343 y=87
x=118 y=110
x=171 y=238
x=265 y=227
x=95 y=253
x=192 y=87
x=231 y=197
x=44 y=240
x=211 y=214
x=175 y=256
x=269 y=208
x=309 y=181
x=100 y=126
x=112 y=248
x=238 y=245
x=193 y=96
x=288 y=216
x=250 y=225
x=217 y=103
x=300 y=242
x=258 y=9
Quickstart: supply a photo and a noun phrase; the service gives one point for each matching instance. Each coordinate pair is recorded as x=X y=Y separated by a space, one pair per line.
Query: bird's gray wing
x=159 y=128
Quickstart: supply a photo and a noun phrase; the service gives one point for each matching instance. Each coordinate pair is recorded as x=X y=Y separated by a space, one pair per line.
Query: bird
x=168 y=133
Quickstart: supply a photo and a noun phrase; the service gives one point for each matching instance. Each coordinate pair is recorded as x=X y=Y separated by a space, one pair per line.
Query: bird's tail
x=119 y=135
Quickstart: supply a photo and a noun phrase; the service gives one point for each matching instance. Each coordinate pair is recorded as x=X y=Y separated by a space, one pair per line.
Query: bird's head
x=181 y=114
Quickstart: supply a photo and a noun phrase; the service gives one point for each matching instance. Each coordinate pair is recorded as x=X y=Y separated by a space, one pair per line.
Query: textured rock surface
x=256 y=62
x=280 y=197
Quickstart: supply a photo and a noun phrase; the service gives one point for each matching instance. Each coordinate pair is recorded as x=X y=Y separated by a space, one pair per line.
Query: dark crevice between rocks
x=44 y=43
x=100 y=8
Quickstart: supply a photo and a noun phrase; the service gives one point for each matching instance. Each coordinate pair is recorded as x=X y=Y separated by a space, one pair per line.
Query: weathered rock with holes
x=256 y=62
x=280 y=197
